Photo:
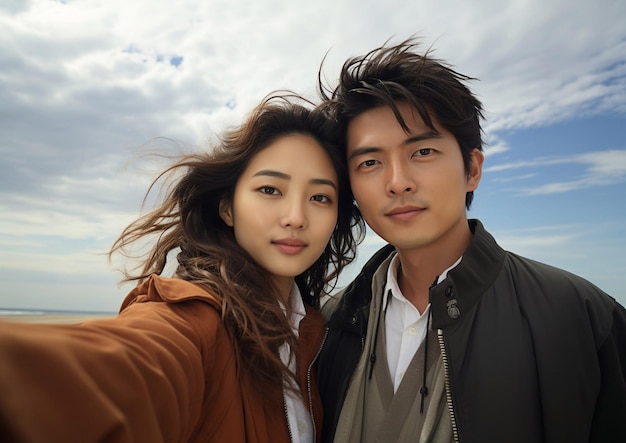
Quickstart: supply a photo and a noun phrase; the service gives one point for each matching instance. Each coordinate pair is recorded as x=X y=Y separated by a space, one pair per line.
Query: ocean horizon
x=24 y=315
x=8 y=312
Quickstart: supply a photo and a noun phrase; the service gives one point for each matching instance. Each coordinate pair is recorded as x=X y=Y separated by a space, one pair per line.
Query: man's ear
x=226 y=212
x=475 y=171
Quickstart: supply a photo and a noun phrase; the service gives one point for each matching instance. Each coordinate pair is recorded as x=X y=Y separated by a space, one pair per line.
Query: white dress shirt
x=298 y=415
x=405 y=326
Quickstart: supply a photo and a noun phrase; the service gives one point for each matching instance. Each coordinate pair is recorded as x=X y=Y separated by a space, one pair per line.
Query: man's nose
x=400 y=180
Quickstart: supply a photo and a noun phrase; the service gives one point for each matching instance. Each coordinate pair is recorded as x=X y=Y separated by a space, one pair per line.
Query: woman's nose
x=295 y=217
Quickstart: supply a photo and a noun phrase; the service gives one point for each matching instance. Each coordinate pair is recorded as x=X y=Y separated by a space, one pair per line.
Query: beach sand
x=53 y=318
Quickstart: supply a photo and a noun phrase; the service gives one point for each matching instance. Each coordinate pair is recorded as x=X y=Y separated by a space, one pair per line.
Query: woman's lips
x=289 y=246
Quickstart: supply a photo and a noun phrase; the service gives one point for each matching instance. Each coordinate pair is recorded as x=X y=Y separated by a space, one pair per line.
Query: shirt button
x=412 y=331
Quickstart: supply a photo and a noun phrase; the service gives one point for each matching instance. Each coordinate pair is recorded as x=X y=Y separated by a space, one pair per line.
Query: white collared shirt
x=405 y=326
x=298 y=415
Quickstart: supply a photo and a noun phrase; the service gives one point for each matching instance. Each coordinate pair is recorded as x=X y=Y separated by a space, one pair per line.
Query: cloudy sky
x=85 y=85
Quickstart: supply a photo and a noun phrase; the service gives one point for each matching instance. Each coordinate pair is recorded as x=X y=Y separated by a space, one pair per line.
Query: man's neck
x=420 y=267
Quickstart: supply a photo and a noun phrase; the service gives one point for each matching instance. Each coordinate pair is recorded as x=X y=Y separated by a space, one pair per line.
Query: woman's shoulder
x=170 y=290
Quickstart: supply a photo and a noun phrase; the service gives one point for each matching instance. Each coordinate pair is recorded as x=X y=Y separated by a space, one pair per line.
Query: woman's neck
x=284 y=286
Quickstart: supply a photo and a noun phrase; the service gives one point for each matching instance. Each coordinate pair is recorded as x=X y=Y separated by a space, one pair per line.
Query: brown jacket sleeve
x=137 y=377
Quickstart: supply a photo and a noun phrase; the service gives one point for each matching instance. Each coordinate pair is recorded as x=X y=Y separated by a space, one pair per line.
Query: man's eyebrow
x=362 y=151
x=412 y=139
x=283 y=176
x=423 y=136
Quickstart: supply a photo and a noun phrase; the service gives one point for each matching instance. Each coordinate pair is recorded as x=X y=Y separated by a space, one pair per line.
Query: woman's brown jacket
x=161 y=371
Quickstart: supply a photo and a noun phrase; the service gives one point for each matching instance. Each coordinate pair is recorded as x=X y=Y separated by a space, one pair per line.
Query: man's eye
x=368 y=163
x=423 y=151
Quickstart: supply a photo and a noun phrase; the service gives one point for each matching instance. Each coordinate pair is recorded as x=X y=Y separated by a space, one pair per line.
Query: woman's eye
x=368 y=163
x=269 y=190
x=321 y=198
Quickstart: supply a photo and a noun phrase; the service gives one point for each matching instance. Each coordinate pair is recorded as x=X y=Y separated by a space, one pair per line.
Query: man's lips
x=289 y=245
x=404 y=212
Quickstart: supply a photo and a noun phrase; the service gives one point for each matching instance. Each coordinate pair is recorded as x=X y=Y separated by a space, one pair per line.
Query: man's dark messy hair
x=400 y=73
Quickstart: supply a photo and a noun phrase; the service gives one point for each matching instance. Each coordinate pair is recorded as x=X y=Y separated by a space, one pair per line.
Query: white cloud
x=84 y=84
x=494 y=145
x=514 y=178
x=547 y=243
x=84 y=262
x=601 y=168
x=537 y=245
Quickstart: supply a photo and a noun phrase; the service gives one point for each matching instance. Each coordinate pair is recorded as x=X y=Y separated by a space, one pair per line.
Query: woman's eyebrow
x=272 y=173
x=282 y=175
x=323 y=181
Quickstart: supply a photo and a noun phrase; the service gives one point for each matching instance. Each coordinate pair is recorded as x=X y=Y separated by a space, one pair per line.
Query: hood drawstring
x=424 y=388
x=375 y=341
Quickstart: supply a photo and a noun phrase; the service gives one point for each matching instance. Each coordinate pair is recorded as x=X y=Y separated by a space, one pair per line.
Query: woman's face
x=284 y=208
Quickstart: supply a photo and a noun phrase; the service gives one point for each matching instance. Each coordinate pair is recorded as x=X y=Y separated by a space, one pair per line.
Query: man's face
x=410 y=187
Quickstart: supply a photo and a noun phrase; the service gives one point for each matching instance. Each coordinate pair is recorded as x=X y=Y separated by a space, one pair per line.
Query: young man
x=444 y=336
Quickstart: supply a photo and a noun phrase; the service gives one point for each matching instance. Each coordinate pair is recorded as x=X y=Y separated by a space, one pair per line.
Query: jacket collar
x=451 y=298
x=458 y=293
x=171 y=290
x=352 y=311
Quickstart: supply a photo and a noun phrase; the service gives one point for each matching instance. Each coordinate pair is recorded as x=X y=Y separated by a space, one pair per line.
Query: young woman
x=223 y=351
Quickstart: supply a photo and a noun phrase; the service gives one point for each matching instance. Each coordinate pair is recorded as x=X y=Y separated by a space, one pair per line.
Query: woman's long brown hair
x=187 y=220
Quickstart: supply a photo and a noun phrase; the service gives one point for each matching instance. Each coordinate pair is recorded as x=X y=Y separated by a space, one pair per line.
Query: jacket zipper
x=444 y=357
x=287 y=416
x=308 y=383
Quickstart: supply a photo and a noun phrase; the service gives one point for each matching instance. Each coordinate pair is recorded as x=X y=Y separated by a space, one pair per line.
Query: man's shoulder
x=546 y=275
x=529 y=272
x=539 y=284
